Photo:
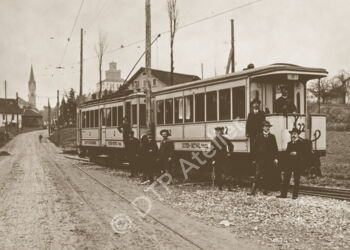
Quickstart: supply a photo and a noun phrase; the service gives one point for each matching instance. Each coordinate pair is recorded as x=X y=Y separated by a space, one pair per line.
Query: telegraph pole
x=5 y=107
x=319 y=97
x=58 y=115
x=81 y=62
x=148 y=62
x=48 y=115
x=17 y=123
x=232 y=46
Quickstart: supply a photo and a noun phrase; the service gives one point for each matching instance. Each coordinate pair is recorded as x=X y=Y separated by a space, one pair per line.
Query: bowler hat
x=256 y=101
x=266 y=124
x=294 y=130
x=164 y=130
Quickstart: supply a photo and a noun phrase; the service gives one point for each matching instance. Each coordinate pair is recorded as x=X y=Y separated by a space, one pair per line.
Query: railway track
x=326 y=192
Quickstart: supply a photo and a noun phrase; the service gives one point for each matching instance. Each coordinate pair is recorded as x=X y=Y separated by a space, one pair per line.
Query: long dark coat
x=166 y=151
x=222 y=147
x=297 y=162
x=265 y=150
x=149 y=154
x=254 y=123
x=284 y=106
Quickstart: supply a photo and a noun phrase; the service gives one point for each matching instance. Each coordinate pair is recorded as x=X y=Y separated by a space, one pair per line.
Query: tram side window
x=83 y=120
x=189 y=108
x=142 y=117
x=224 y=104
x=88 y=119
x=169 y=111
x=91 y=123
x=160 y=112
x=199 y=106
x=103 y=117
x=211 y=106
x=179 y=110
x=97 y=120
x=108 y=117
x=238 y=102
x=120 y=115
x=134 y=114
x=114 y=117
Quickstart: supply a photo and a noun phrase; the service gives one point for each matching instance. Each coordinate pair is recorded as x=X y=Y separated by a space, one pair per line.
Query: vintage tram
x=191 y=111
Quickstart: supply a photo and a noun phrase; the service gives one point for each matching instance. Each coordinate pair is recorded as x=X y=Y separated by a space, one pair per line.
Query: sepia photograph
x=175 y=124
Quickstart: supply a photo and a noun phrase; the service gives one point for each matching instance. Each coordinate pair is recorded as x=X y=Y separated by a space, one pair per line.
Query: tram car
x=190 y=111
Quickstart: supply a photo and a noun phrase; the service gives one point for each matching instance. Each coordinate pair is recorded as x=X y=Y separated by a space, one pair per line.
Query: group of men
x=145 y=156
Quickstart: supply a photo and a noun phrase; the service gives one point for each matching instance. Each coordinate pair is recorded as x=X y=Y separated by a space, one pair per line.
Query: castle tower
x=32 y=89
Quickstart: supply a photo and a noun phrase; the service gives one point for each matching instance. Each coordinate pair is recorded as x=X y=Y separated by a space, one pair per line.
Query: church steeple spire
x=32 y=89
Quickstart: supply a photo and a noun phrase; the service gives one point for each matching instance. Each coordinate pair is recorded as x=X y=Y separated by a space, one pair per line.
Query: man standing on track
x=254 y=122
x=295 y=162
x=166 y=152
x=149 y=156
x=264 y=158
x=223 y=151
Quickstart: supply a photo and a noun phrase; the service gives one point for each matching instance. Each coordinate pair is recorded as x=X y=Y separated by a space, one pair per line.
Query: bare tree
x=173 y=18
x=342 y=81
x=101 y=48
x=320 y=88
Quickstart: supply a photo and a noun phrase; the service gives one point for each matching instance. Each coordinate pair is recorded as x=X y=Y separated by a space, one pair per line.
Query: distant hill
x=338 y=115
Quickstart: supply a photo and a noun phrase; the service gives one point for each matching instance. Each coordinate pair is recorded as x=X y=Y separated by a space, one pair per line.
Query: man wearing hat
x=264 y=154
x=166 y=151
x=284 y=104
x=223 y=148
x=254 y=122
x=295 y=156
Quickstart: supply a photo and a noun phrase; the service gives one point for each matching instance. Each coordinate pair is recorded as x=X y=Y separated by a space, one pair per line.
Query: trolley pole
x=81 y=62
x=148 y=61
x=232 y=46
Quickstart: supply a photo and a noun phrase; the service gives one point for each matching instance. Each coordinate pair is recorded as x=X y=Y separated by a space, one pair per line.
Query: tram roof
x=112 y=97
x=272 y=69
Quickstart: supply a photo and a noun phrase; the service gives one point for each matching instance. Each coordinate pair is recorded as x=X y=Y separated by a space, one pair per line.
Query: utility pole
x=148 y=62
x=319 y=97
x=58 y=115
x=81 y=62
x=5 y=107
x=17 y=125
x=48 y=115
x=232 y=46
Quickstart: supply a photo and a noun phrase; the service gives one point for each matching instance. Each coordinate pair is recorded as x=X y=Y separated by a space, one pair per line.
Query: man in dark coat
x=254 y=122
x=223 y=150
x=284 y=104
x=265 y=152
x=166 y=151
x=133 y=151
x=295 y=163
x=149 y=156
x=125 y=128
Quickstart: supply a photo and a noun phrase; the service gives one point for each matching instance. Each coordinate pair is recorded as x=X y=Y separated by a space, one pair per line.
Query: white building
x=11 y=110
x=113 y=79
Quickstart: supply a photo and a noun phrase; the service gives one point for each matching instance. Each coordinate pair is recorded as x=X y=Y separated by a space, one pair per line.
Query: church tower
x=32 y=89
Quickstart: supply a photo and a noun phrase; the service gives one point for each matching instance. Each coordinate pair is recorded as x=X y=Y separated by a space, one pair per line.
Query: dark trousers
x=286 y=181
x=220 y=177
x=263 y=175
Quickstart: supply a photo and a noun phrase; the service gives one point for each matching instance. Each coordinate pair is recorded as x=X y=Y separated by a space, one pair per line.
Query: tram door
x=103 y=126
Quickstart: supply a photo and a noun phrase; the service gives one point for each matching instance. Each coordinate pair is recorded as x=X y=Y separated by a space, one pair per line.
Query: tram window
x=169 y=111
x=91 y=123
x=179 y=110
x=88 y=119
x=97 y=120
x=189 y=108
x=211 y=106
x=238 y=102
x=120 y=115
x=114 y=117
x=103 y=117
x=83 y=120
x=160 y=112
x=134 y=114
x=108 y=117
x=142 y=116
x=199 y=106
x=224 y=104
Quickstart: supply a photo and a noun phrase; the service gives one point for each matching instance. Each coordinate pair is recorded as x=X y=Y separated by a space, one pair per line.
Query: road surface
x=51 y=202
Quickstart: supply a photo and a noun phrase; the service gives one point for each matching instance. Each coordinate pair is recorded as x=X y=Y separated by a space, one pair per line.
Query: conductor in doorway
x=284 y=104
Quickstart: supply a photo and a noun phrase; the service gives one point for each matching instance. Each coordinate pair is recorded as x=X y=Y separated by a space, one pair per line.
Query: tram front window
x=284 y=99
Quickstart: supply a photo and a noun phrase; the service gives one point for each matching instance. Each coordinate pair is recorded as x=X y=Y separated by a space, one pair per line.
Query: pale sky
x=311 y=33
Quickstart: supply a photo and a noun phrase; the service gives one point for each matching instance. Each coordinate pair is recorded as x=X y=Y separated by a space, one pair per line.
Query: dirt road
x=51 y=202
